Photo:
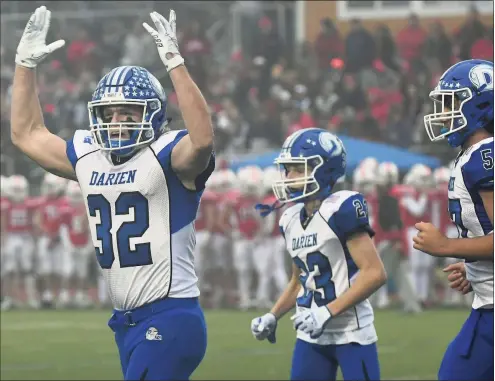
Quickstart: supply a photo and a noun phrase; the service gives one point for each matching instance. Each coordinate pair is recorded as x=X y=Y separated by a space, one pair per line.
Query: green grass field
x=72 y=345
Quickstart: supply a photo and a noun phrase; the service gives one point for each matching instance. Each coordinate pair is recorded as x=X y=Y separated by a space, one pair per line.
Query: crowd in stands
x=368 y=84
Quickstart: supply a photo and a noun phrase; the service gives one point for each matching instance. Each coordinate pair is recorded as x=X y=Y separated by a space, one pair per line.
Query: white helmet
x=53 y=185
x=228 y=179
x=363 y=179
x=441 y=175
x=419 y=176
x=4 y=185
x=251 y=180
x=18 y=188
x=370 y=163
x=387 y=173
x=73 y=193
x=213 y=182
x=270 y=175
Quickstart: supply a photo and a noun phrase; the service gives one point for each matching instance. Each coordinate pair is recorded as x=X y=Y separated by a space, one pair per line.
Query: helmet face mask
x=140 y=101
x=310 y=163
x=299 y=187
x=447 y=116
x=463 y=102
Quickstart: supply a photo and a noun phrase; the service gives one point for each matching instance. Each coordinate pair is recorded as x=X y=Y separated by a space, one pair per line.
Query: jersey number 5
x=141 y=255
x=487 y=158
x=325 y=288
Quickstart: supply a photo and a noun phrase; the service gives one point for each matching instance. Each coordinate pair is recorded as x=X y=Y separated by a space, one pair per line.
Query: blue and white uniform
x=472 y=173
x=327 y=269
x=463 y=106
x=142 y=225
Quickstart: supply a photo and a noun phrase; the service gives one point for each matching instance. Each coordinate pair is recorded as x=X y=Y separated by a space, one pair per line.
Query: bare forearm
x=193 y=107
x=26 y=115
x=476 y=248
x=287 y=300
x=366 y=283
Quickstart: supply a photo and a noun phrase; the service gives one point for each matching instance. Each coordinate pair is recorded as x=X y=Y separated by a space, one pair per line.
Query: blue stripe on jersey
x=477 y=172
x=183 y=202
x=352 y=217
x=480 y=211
x=351 y=266
x=71 y=152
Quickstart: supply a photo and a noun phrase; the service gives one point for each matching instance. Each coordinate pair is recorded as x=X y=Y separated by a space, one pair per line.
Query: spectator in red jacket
x=483 y=47
x=410 y=40
x=80 y=51
x=328 y=44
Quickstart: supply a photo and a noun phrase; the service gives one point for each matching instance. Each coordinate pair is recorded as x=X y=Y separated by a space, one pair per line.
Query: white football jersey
x=141 y=219
x=327 y=268
x=472 y=172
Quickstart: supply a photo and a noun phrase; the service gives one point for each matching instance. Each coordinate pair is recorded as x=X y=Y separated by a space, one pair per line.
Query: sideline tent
x=357 y=150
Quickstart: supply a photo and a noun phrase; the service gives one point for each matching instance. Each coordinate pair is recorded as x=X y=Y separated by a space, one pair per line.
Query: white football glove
x=165 y=39
x=33 y=49
x=264 y=327
x=310 y=321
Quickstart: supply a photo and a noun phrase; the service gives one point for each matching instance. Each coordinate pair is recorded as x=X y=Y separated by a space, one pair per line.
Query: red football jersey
x=19 y=216
x=440 y=208
x=51 y=212
x=247 y=220
x=74 y=217
x=225 y=202
x=208 y=199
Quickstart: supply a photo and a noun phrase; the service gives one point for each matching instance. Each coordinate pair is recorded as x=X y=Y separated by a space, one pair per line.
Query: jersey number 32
x=141 y=255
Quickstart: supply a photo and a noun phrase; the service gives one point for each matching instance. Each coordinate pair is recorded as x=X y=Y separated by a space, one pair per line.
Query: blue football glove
x=264 y=327
x=310 y=321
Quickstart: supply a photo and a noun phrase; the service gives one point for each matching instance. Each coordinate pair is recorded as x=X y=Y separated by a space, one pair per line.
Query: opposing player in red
x=273 y=243
x=204 y=226
x=364 y=181
x=48 y=219
x=77 y=250
x=221 y=243
x=416 y=207
x=18 y=250
x=246 y=235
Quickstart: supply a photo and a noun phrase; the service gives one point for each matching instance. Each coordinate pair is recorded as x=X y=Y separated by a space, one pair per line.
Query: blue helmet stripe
x=123 y=74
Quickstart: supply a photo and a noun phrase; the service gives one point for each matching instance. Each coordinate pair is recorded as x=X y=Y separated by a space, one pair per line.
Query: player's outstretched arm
x=28 y=131
x=371 y=274
x=192 y=154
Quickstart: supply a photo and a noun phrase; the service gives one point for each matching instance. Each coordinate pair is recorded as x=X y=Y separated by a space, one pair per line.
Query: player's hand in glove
x=264 y=327
x=310 y=321
x=165 y=39
x=33 y=49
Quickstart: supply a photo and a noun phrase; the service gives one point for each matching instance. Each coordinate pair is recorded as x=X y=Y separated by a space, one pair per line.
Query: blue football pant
x=320 y=362
x=167 y=343
x=470 y=355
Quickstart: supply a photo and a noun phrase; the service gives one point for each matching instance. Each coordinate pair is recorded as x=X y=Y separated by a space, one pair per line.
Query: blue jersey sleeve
x=351 y=217
x=80 y=145
x=477 y=172
x=163 y=150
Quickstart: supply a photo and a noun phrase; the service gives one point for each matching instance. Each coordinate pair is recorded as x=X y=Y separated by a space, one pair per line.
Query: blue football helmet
x=463 y=102
x=127 y=86
x=324 y=158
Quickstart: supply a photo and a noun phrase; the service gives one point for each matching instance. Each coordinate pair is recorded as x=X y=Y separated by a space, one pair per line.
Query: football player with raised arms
x=335 y=264
x=141 y=185
x=464 y=115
